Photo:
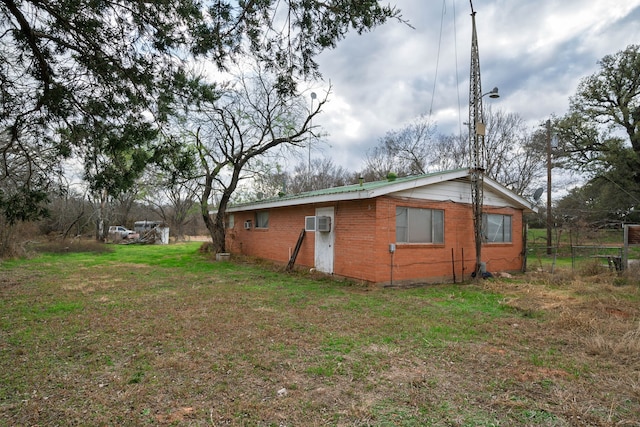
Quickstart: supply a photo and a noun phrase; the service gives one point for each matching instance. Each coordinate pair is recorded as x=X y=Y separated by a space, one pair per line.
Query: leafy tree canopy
x=600 y=135
x=98 y=78
x=612 y=95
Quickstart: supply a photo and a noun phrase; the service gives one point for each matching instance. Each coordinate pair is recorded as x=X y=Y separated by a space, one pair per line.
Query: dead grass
x=58 y=246
x=203 y=343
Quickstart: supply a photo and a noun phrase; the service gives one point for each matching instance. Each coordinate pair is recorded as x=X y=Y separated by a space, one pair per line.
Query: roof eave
x=371 y=193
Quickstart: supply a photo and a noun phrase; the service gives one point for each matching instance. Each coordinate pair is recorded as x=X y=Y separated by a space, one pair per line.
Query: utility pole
x=549 y=215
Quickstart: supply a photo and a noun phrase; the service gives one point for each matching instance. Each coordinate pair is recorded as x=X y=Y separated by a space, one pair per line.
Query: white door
x=324 y=243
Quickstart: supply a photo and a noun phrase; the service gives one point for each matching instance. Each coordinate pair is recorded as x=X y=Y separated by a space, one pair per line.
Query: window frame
x=435 y=234
x=501 y=228
x=260 y=222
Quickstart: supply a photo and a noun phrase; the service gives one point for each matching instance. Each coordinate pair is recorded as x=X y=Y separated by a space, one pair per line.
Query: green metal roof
x=375 y=189
x=352 y=188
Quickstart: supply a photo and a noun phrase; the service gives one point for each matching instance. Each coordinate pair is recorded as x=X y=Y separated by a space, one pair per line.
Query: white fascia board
x=508 y=194
x=419 y=182
x=391 y=187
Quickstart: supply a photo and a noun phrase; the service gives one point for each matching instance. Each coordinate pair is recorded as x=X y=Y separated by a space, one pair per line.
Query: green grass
x=147 y=335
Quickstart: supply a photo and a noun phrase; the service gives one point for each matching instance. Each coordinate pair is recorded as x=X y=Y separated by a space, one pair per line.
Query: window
x=309 y=223
x=262 y=219
x=496 y=228
x=230 y=221
x=415 y=225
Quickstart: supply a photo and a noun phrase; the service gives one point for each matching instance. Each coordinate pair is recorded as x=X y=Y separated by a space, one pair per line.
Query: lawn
x=162 y=335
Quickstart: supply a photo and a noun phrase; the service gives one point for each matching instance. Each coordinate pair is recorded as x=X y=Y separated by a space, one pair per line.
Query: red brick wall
x=438 y=261
x=363 y=231
x=505 y=256
x=422 y=261
x=276 y=242
x=356 y=243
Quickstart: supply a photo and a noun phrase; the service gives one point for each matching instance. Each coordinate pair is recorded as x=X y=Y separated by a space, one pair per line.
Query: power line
x=435 y=79
x=455 y=47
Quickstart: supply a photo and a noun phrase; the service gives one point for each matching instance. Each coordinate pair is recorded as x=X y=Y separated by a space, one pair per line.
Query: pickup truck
x=119 y=230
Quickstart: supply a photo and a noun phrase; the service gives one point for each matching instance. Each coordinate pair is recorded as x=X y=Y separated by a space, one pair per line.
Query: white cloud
x=536 y=52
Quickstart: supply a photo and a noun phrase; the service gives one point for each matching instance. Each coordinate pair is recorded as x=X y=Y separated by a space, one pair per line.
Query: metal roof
x=368 y=190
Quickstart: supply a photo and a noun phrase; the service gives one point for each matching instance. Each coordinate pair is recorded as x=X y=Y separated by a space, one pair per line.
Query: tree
x=246 y=122
x=173 y=199
x=80 y=77
x=600 y=135
x=68 y=213
x=611 y=195
x=611 y=96
x=320 y=174
x=514 y=154
x=513 y=157
x=405 y=151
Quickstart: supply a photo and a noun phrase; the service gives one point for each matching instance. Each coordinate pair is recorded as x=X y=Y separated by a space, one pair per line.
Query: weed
x=537 y=360
x=538 y=417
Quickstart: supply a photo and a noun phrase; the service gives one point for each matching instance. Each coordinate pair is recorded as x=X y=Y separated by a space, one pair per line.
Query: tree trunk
x=216 y=225
x=101 y=233
x=218 y=233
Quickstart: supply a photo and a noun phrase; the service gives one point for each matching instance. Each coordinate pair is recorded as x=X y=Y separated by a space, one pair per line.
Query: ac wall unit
x=247 y=224
x=323 y=223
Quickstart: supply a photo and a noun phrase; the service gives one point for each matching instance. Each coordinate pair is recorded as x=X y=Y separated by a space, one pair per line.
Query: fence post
x=625 y=248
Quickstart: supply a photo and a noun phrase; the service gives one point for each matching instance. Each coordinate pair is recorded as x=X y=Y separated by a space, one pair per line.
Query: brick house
x=412 y=229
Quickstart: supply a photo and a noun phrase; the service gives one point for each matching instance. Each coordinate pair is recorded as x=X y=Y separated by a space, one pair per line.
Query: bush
x=591 y=268
x=13 y=238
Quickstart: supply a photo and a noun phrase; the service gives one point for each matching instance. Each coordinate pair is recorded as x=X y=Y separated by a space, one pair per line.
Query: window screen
x=496 y=228
x=414 y=225
x=262 y=219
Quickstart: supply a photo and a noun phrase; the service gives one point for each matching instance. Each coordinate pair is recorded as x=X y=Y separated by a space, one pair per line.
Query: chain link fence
x=584 y=252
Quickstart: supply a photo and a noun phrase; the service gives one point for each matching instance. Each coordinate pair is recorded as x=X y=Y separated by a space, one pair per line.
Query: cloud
x=535 y=52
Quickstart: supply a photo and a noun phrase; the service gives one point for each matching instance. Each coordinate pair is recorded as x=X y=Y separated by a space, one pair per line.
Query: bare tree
x=248 y=121
x=407 y=151
x=321 y=173
x=512 y=157
x=450 y=152
x=69 y=213
x=173 y=200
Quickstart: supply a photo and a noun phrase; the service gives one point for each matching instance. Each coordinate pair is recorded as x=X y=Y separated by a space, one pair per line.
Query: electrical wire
x=435 y=79
x=621 y=188
x=455 y=49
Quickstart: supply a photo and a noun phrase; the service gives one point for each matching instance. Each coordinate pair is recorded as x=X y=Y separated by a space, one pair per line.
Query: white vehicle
x=119 y=230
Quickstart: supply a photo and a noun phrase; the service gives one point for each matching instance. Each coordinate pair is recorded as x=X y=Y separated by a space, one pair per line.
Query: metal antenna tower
x=476 y=142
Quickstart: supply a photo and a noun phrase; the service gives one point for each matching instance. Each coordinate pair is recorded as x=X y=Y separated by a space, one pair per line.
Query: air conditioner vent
x=323 y=223
x=247 y=224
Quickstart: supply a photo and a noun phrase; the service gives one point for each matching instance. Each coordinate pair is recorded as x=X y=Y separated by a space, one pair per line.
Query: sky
x=535 y=52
